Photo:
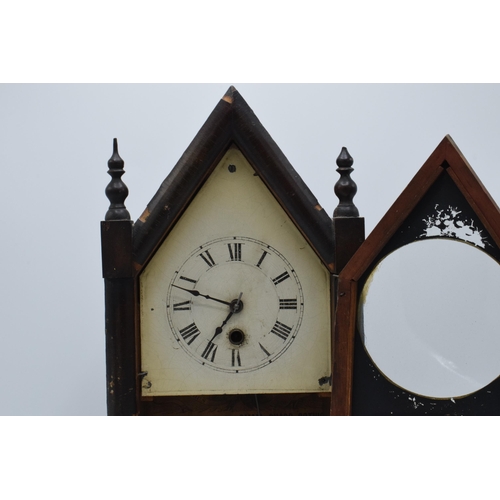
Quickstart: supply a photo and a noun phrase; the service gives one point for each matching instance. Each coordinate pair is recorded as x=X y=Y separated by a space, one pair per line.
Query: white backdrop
x=55 y=141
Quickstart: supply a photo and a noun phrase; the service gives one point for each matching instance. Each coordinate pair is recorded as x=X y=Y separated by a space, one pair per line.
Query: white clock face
x=266 y=326
x=235 y=304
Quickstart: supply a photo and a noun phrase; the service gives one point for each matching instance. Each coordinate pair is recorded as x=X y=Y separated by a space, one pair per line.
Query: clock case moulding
x=360 y=387
x=128 y=247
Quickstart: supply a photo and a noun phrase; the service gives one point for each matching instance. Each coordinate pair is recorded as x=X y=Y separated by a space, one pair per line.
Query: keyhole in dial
x=236 y=337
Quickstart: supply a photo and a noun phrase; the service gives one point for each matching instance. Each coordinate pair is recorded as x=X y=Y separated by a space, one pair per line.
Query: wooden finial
x=116 y=190
x=345 y=188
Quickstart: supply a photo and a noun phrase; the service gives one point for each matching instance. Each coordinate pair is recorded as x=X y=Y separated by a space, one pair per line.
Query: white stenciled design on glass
x=450 y=223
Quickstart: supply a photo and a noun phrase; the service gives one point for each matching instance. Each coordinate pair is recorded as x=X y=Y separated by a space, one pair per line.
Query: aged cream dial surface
x=234 y=301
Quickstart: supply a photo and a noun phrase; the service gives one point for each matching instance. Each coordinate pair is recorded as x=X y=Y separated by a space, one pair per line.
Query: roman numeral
x=281 y=277
x=288 y=303
x=235 y=357
x=187 y=279
x=183 y=306
x=234 y=251
x=281 y=330
x=210 y=349
x=207 y=258
x=190 y=332
x=263 y=256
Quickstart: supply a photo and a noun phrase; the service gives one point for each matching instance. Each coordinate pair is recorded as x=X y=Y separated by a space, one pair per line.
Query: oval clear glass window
x=429 y=316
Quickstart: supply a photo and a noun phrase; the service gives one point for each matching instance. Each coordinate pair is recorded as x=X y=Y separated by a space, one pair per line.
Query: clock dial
x=235 y=304
x=234 y=300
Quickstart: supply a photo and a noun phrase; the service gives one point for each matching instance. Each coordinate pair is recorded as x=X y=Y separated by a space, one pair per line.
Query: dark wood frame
x=447 y=157
x=127 y=249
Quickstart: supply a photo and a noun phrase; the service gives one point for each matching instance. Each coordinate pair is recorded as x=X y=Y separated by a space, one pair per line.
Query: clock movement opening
x=236 y=337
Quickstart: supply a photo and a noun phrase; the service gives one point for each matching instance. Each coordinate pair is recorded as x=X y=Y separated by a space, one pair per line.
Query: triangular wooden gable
x=232 y=122
x=445 y=173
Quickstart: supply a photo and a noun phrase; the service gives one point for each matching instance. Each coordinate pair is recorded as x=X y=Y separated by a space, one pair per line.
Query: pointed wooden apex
x=232 y=122
x=229 y=95
x=446 y=157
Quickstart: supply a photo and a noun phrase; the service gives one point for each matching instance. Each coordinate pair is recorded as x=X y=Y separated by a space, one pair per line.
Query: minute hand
x=196 y=293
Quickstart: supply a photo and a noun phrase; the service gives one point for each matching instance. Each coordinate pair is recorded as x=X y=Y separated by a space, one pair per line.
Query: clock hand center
x=237 y=304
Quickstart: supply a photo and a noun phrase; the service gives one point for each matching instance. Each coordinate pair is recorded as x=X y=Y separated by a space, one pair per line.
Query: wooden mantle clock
x=235 y=293
x=219 y=297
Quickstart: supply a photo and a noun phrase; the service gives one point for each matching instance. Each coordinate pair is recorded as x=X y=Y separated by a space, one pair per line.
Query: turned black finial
x=345 y=188
x=116 y=190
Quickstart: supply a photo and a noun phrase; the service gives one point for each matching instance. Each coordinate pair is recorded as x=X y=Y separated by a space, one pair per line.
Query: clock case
x=127 y=248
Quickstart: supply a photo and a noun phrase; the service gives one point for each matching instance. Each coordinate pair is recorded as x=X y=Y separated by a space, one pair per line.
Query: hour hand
x=196 y=293
x=218 y=330
x=234 y=308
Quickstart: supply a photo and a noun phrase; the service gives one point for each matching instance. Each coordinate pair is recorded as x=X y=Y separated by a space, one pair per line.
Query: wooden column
x=348 y=226
x=117 y=269
x=349 y=234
